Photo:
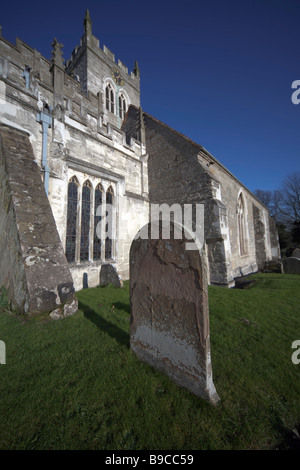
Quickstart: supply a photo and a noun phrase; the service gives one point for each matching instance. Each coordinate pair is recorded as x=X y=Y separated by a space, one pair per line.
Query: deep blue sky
x=219 y=72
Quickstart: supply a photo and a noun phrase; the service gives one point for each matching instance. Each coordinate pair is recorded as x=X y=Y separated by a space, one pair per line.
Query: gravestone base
x=185 y=377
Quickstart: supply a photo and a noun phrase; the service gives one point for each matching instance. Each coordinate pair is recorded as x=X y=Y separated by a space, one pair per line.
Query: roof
x=130 y=126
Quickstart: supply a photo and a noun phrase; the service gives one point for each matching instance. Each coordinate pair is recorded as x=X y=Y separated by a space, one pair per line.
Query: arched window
x=90 y=237
x=110 y=98
x=242 y=225
x=122 y=106
x=109 y=222
x=85 y=221
x=72 y=219
x=97 y=222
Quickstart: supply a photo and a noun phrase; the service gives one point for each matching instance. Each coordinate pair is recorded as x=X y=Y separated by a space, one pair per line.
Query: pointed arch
x=242 y=228
x=122 y=106
x=110 y=97
x=109 y=228
x=85 y=220
x=73 y=193
x=98 y=216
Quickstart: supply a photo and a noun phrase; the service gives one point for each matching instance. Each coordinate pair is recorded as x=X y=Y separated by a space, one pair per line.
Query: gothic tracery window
x=242 y=225
x=110 y=98
x=97 y=222
x=72 y=219
x=89 y=237
x=109 y=222
x=85 y=221
x=122 y=106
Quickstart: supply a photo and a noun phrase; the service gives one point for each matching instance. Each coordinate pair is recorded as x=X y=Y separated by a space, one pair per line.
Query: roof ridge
x=169 y=127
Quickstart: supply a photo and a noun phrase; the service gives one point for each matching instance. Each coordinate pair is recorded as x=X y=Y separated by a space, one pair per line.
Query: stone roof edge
x=200 y=147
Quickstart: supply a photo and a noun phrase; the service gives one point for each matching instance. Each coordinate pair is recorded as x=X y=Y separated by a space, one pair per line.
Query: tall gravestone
x=33 y=266
x=296 y=253
x=169 y=325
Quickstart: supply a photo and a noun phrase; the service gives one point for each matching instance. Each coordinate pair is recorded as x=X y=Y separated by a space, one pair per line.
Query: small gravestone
x=272 y=267
x=109 y=275
x=291 y=265
x=169 y=324
x=296 y=253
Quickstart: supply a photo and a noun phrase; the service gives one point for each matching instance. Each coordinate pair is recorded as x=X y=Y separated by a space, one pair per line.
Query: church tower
x=98 y=72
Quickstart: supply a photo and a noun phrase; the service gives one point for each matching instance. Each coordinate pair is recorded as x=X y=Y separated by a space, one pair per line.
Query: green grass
x=75 y=383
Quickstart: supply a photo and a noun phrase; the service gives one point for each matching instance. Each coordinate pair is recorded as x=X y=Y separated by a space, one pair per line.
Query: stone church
x=77 y=150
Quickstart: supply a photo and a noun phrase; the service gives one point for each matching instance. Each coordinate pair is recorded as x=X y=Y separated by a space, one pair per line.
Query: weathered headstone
x=296 y=253
x=169 y=325
x=272 y=267
x=33 y=268
x=291 y=265
x=109 y=275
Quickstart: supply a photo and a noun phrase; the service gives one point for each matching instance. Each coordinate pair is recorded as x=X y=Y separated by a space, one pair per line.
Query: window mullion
x=103 y=223
x=92 y=222
x=78 y=228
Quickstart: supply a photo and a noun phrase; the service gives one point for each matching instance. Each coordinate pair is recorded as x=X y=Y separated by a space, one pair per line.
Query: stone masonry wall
x=80 y=142
x=183 y=172
x=259 y=229
x=176 y=177
x=92 y=65
x=172 y=167
x=257 y=241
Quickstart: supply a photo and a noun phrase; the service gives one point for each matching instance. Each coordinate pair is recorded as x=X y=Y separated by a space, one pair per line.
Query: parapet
x=105 y=53
x=28 y=78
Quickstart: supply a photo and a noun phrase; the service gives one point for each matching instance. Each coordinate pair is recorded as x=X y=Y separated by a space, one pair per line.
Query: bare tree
x=276 y=206
x=284 y=207
x=264 y=196
x=273 y=200
x=291 y=197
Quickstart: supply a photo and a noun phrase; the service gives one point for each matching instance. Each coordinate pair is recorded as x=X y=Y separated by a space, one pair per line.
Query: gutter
x=45 y=118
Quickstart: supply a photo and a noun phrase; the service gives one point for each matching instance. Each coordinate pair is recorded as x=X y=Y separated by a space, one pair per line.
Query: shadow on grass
x=122 y=306
x=114 y=331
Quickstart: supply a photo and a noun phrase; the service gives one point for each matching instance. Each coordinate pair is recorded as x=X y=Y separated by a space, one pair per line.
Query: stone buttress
x=34 y=269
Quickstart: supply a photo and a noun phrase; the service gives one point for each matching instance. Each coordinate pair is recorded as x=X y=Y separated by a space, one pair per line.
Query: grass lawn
x=75 y=383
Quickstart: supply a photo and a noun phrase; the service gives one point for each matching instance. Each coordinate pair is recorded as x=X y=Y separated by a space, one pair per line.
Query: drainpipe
x=117 y=107
x=45 y=118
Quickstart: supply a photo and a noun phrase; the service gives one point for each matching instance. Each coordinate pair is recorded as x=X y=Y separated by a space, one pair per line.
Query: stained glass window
x=85 y=221
x=103 y=208
x=109 y=223
x=72 y=219
x=97 y=222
